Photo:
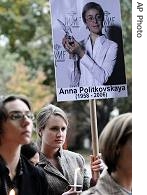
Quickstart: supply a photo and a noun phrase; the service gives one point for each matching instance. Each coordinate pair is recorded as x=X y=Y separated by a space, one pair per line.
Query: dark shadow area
x=118 y=76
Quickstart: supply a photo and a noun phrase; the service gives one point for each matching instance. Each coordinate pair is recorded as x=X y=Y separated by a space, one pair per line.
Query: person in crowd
x=115 y=144
x=31 y=152
x=17 y=175
x=96 y=55
x=60 y=164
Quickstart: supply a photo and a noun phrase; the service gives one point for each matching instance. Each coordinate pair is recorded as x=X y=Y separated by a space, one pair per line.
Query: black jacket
x=31 y=179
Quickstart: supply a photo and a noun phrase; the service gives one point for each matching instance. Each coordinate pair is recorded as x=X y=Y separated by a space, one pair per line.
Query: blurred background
x=26 y=67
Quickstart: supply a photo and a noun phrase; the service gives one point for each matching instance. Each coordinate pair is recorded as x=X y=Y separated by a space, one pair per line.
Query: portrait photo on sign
x=88 y=49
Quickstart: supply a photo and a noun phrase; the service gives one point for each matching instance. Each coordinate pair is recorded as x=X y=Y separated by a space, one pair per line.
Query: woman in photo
x=96 y=55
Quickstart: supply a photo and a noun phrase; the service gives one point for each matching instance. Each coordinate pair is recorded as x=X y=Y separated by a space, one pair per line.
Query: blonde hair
x=115 y=134
x=45 y=113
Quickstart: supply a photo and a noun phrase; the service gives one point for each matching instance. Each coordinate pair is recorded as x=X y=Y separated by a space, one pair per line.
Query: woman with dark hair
x=115 y=144
x=96 y=54
x=17 y=176
x=30 y=152
x=93 y=5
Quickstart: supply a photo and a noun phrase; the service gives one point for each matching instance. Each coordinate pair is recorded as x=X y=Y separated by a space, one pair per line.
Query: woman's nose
x=59 y=133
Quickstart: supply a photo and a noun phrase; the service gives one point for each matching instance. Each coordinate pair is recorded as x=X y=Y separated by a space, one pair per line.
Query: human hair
x=3 y=110
x=113 y=137
x=29 y=150
x=44 y=114
x=92 y=5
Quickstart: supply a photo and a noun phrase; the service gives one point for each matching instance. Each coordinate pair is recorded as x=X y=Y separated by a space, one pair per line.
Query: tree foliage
x=26 y=24
x=23 y=83
x=7 y=61
x=126 y=14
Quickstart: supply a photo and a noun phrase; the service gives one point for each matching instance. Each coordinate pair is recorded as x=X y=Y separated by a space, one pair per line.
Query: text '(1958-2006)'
x=139 y=20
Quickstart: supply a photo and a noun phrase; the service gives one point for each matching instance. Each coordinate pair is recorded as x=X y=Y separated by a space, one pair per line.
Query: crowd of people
x=45 y=167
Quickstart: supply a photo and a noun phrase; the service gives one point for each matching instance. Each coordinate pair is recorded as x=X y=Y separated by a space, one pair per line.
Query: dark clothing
x=29 y=180
x=59 y=180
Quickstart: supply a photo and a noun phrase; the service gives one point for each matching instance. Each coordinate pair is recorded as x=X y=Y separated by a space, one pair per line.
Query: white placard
x=66 y=16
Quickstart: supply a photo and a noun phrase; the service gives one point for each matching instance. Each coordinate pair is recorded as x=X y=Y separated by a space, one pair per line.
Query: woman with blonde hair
x=116 y=147
x=59 y=164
